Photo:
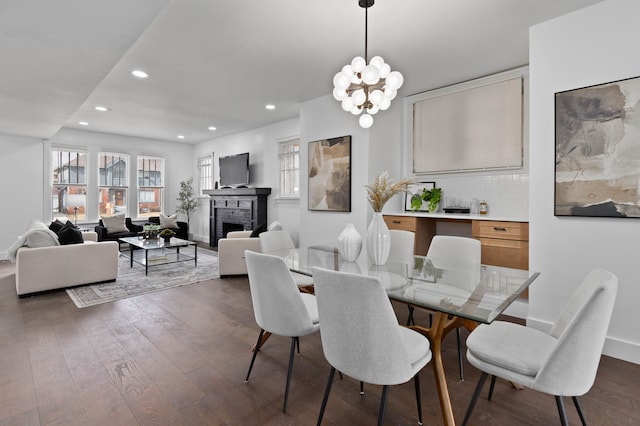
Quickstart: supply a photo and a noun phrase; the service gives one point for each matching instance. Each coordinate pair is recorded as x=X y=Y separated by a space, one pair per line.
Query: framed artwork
x=330 y=174
x=416 y=189
x=597 y=150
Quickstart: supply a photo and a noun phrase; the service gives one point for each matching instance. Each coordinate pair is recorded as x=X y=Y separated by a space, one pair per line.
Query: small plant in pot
x=167 y=234
x=431 y=196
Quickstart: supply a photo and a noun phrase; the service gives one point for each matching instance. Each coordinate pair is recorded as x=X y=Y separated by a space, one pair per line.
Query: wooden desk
x=504 y=243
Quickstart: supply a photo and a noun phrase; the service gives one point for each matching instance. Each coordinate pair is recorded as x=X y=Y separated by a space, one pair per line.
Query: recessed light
x=83 y=123
x=102 y=108
x=139 y=74
x=180 y=136
x=270 y=106
x=212 y=128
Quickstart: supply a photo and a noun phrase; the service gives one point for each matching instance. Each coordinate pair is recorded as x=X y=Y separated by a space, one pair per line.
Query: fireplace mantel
x=246 y=207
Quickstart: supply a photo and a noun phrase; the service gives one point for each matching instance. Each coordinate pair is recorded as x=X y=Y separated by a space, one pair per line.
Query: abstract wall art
x=597 y=150
x=330 y=174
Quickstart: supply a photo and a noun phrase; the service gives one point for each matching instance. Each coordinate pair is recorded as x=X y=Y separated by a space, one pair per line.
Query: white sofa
x=47 y=268
x=231 y=252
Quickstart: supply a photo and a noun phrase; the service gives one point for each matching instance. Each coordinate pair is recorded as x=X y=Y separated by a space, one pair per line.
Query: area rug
x=133 y=282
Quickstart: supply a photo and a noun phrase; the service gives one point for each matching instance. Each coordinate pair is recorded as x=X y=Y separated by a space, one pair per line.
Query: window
x=69 y=184
x=472 y=126
x=289 y=156
x=205 y=174
x=114 y=182
x=150 y=186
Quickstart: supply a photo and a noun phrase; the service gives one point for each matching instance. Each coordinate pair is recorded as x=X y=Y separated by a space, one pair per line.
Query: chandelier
x=365 y=87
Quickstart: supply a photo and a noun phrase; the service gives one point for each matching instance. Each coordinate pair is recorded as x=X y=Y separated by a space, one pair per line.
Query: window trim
x=282 y=153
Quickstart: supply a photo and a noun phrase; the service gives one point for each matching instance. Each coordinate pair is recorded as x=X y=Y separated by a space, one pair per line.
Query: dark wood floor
x=180 y=356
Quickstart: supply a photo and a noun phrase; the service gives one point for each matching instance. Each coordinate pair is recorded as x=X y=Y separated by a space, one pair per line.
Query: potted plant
x=167 y=234
x=431 y=196
x=187 y=200
x=151 y=231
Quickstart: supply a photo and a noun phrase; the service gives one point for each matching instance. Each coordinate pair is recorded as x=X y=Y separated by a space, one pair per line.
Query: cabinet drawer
x=507 y=253
x=404 y=223
x=502 y=230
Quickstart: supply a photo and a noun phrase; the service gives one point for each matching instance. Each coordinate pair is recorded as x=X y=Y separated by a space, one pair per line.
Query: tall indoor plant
x=187 y=200
x=378 y=193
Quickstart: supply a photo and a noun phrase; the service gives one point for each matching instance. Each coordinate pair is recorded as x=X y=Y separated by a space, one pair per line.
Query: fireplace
x=229 y=227
x=236 y=210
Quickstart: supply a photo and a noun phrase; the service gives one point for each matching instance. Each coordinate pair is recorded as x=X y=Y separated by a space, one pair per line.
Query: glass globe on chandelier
x=366 y=86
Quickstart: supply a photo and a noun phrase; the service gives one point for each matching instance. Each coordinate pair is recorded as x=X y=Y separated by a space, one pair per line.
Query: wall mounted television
x=234 y=170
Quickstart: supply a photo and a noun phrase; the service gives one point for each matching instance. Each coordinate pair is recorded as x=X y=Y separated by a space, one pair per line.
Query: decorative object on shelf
x=366 y=85
x=378 y=193
x=484 y=208
x=330 y=174
x=187 y=200
x=349 y=243
x=167 y=234
x=425 y=198
x=151 y=231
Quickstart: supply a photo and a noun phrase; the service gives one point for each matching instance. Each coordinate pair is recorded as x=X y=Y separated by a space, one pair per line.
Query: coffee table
x=158 y=251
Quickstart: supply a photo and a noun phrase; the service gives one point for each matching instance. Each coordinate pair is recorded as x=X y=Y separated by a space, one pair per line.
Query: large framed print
x=330 y=174
x=597 y=150
x=415 y=189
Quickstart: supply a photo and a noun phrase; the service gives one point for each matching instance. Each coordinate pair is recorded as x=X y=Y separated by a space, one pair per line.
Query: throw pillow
x=259 y=230
x=114 y=223
x=70 y=235
x=275 y=226
x=13 y=250
x=56 y=226
x=169 y=221
x=41 y=237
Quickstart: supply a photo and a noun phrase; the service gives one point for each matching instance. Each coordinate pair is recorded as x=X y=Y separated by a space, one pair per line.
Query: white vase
x=378 y=240
x=349 y=243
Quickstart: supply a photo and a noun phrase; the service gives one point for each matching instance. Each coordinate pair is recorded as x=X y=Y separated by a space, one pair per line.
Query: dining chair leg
x=474 y=398
x=298 y=345
x=383 y=404
x=579 y=408
x=256 y=348
x=493 y=384
x=561 y=411
x=294 y=341
x=416 y=381
x=326 y=395
x=460 y=366
x=410 y=317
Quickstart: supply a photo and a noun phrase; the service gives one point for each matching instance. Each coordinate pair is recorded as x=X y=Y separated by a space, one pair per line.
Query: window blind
x=473 y=129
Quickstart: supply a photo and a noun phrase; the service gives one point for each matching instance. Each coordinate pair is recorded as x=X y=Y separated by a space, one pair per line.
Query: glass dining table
x=457 y=298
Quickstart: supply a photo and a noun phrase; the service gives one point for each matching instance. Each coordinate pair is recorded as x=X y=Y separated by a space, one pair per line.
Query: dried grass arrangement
x=383 y=188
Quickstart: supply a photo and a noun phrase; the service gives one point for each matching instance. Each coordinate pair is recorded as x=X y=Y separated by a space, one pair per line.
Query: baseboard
x=3 y=255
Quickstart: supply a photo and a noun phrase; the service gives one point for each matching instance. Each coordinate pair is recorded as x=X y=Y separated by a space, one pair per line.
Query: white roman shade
x=474 y=129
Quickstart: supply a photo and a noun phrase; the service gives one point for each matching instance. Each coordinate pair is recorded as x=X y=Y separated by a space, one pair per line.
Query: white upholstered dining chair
x=454 y=253
x=279 y=307
x=277 y=241
x=361 y=336
x=401 y=246
x=562 y=362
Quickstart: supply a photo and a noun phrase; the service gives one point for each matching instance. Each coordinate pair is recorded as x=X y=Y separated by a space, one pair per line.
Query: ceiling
x=218 y=62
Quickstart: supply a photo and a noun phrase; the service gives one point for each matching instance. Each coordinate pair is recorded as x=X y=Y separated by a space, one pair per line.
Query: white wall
x=323 y=118
x=21 y=187
x=24 y=189
x=591 y=46
x=262 y=146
